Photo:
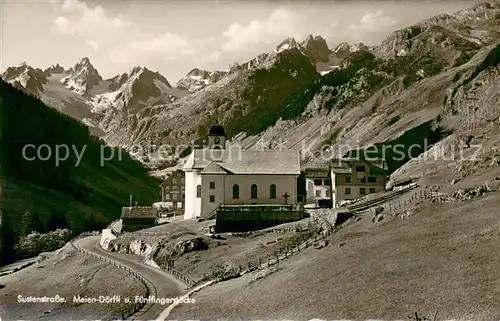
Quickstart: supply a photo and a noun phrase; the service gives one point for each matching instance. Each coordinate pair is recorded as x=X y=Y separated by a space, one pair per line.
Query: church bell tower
x=216 y=137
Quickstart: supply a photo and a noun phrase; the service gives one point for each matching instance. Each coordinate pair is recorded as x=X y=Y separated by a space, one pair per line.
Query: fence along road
x=166 y=285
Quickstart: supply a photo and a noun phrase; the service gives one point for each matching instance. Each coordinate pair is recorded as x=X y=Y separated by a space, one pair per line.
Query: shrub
x=36 y=243
x=394 y=120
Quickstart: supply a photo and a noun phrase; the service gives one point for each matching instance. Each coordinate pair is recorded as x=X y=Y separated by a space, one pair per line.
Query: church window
x=253 y=191
x=236 y=191
x=272 y=191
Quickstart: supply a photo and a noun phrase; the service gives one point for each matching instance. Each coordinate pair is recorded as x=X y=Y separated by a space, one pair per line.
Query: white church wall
x=192 y=207
x=284 y=184
x=218 y=193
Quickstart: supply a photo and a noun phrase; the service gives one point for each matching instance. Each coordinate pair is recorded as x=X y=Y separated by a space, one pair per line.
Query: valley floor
x=67 y=273
x=445 y=257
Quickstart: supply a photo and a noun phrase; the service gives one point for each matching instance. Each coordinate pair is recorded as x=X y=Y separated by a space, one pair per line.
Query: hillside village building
x=351 y=179
x=354 y=178
x=138 y=217
x=318 y=184
x=172 y=191
x=218 y=176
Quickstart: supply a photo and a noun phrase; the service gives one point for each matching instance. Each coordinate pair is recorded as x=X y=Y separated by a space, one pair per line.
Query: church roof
x=213 y=168
x=216 y=130
x=238 y=161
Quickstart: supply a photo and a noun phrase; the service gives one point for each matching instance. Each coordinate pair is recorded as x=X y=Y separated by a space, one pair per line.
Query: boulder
x=186 y=246
x=320 y=244
x=378 y=218
x=378 y=210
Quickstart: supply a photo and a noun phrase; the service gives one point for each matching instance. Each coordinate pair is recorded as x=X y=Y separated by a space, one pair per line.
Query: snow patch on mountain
x=26 y=78
x=198 y=79
x=138 y=88
x=82 y=77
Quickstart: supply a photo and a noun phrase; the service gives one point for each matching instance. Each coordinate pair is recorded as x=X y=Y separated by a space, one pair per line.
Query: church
x=216 y=175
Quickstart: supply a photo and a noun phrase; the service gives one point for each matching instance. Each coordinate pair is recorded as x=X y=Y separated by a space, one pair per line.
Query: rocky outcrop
x=182 y=247
x=54 y=69
x=26 y=78
x=316 y=48
x=106 y=237
x=82 y=77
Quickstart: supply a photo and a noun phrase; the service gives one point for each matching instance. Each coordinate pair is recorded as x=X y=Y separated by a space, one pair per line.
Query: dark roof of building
x=139 y=212
x=174 y=174
x=343 y=165
x=235 y=161
x=320 y=172
x=216 y=130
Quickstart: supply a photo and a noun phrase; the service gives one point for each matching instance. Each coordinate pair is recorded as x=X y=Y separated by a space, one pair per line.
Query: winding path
x=165 y=284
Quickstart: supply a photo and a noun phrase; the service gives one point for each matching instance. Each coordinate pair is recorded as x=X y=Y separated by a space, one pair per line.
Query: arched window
x=272 y=191
x=253 y=191
x=236 y=191
x=198 y=190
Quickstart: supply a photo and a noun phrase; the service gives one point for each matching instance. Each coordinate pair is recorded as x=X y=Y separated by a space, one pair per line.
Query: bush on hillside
x=36 y=243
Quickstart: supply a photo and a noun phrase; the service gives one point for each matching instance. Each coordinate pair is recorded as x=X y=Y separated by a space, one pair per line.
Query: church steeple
x=216 y=137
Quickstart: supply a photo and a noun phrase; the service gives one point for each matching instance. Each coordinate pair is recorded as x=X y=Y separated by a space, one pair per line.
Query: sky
x=173 y=37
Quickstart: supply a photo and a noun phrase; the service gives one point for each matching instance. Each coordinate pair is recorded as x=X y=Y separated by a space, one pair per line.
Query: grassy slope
x=446 y=257
x=41 y=187
x=67 y=273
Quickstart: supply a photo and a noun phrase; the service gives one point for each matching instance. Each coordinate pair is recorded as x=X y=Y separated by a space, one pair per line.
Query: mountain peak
x=82 y=77
x=197 y=79
x=288 y=43
x=316 y=48
x=85 y=60
x=137 y=69
x=54 y=69
x=342 y=46
x=26 y=78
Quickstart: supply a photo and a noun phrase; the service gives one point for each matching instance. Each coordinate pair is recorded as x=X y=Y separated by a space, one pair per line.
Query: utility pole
x=130 y=200
x=471 y=106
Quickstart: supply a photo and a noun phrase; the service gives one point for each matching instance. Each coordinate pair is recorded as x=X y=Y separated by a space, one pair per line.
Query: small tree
x=29 y=222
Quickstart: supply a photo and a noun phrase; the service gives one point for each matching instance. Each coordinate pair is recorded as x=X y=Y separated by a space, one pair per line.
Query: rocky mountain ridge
x=113 y=105
x=378 y=94
x=82 y=77
x=198 y=79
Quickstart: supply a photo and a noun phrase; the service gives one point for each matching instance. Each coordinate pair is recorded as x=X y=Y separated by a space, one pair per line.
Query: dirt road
x=166 y=285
